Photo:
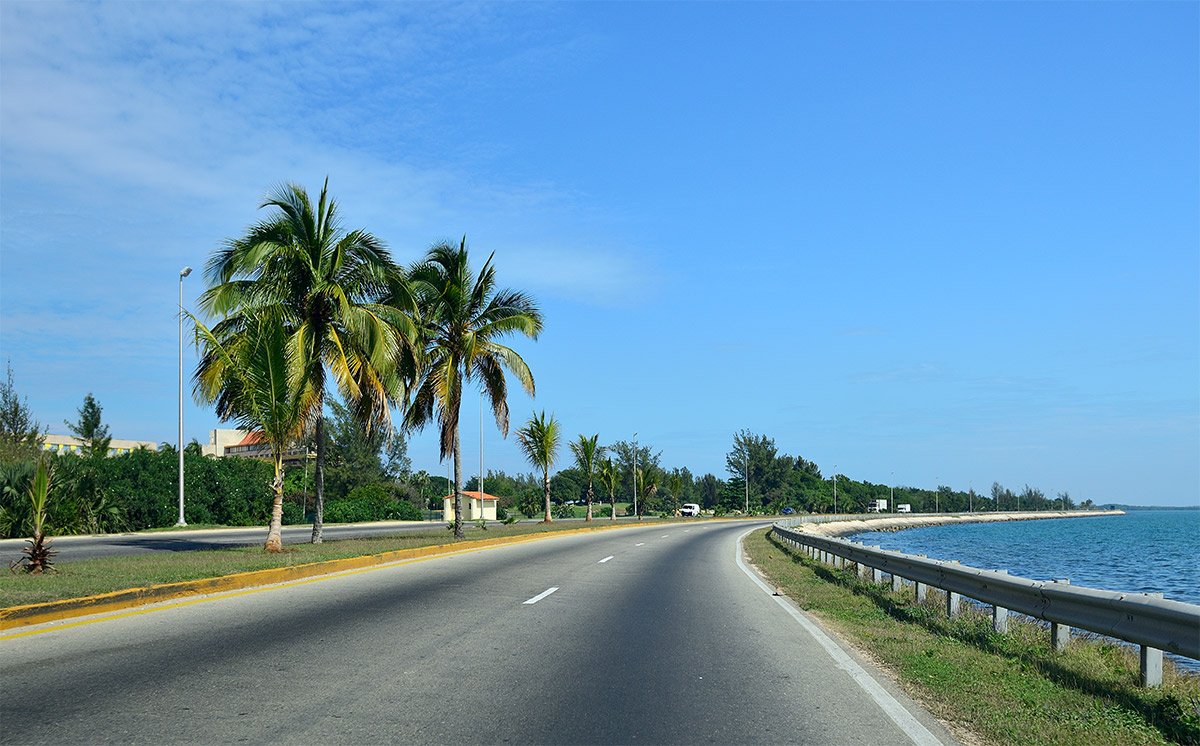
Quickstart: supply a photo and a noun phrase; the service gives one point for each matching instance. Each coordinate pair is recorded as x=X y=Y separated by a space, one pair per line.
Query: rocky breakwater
x=898 y=522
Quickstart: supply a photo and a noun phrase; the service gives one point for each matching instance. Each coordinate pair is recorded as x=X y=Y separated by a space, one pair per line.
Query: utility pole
x=835 y=489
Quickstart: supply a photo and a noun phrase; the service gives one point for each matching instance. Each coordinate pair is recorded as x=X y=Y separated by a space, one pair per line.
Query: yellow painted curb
x=53 y=611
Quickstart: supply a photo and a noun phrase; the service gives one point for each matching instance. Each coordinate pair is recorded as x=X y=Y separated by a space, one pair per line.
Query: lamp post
x=635 y=466
x=747 y=480
x=481 y=451
x=182 y=274
x=893 y=481
x=835 y=489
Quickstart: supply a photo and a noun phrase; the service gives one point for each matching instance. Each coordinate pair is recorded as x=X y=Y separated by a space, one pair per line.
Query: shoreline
x=857 y=525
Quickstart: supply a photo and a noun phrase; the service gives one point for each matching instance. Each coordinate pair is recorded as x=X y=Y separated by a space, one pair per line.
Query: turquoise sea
x=1142 y=551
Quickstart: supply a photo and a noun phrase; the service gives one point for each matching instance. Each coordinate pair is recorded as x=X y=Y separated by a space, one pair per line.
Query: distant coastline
x=1120 y=506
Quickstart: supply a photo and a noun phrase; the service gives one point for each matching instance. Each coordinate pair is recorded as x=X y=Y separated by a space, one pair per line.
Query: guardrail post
x=953 y=603
x=920 y=588
x=1150 y=660
x=863 y=570
x=897 y=583
x=1000 y=614
x=1060 y=634
x=953 y=600
x=876 y=573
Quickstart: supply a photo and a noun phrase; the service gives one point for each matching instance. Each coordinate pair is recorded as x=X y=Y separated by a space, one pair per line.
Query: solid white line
x=606 y=559
x=640 y=544
x=912 y=727
x=540 y=596
x=665 y=535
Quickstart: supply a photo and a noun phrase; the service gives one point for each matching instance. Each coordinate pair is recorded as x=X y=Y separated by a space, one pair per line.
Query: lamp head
x=185 y=271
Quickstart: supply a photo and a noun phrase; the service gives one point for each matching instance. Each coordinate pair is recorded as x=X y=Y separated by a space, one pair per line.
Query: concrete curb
x=53 y=611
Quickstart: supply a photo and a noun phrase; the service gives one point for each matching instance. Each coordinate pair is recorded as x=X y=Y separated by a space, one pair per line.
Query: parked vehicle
x=877 y=506
x=904 y=508
x=690 y=510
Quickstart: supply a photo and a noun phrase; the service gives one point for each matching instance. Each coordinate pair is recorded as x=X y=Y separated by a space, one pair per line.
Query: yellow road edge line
x=222 y=586
x=157 y=606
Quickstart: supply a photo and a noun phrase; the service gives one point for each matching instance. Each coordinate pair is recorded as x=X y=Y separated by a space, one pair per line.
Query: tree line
x=297 y=305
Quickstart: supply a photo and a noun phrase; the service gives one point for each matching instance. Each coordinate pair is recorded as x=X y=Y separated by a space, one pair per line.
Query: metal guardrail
x=1154 y=623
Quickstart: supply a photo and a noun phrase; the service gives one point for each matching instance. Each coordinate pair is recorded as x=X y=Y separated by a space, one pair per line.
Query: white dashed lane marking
x=540 y=596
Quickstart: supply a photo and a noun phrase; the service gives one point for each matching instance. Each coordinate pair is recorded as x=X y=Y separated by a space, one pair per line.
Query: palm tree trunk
x=589 y=513
x=458 y=522
x=612 y=498
x=546 y=489
x=274 y=531
x=319 y=476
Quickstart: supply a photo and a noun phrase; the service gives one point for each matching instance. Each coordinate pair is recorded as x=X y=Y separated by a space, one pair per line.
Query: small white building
x=474 y=507
x=116 y=446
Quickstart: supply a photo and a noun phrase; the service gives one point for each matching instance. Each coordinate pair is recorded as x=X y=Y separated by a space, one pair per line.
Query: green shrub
x=406 y=511
x=292 y=514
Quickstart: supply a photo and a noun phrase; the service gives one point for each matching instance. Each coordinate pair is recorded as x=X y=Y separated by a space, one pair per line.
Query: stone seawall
x=899 y=522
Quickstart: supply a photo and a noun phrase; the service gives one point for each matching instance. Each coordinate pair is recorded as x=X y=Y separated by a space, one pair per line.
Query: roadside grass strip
x=83 y=587
x=1010 y=688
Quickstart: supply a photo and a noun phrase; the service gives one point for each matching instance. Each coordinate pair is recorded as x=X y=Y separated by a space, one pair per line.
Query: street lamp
x=835 y=489
x=893 y=481
x=481 y=451
x=182 y=274
x=747 y=480
x=635 y=466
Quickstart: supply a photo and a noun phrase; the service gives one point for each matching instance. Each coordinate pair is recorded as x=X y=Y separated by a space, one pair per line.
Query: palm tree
x=462 y=317
x=326 y=286
x=539 y=442
x=587 y=451
x=648 y=479
x=675 y=485
x=250 y=377
x=610 y=477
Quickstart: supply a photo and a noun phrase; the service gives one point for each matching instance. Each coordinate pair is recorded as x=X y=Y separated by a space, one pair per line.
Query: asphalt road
x=113 y=545
x=644 y=635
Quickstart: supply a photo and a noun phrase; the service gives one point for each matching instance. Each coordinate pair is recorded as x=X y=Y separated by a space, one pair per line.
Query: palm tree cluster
x=301 y=305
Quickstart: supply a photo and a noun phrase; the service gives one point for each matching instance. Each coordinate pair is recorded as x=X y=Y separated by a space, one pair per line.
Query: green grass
x=1004 y=689
x=107 y=574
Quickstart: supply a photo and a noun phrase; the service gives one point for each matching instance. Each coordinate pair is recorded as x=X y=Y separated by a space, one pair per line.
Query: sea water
x=1143 y=551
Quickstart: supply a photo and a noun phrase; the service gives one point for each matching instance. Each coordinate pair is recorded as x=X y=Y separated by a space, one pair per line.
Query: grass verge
x=107 y=574
x=1003 y=689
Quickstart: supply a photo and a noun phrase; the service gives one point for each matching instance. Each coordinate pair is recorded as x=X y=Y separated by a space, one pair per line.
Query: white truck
x=690 y=510
x=877 y=506
x=904 y=508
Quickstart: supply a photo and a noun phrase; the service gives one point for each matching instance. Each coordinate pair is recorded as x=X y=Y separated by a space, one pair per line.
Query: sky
x=916 y=243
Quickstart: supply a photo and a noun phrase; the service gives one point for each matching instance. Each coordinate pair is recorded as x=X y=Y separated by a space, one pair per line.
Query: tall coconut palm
x=539 y=441
x=326 y=286
x=610 y=477
x=250 y=377
x=462 y=317
x=587 y=451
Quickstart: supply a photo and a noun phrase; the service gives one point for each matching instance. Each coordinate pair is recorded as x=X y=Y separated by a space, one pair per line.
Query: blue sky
x=955 y=243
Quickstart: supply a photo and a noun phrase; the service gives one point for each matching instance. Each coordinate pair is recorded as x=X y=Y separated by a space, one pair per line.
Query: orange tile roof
x=474 y=494
x=252 y=438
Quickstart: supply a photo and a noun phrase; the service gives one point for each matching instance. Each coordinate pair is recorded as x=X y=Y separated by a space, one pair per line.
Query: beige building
x=474 y=508
x=116 y=446
x=247 y=444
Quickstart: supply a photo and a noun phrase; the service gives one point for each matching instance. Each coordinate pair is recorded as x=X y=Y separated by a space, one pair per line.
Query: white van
x=690 y=510
x=904 y=508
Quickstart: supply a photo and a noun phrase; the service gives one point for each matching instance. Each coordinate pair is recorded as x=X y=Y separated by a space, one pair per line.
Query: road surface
x=653 y=634
x=113 y=545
